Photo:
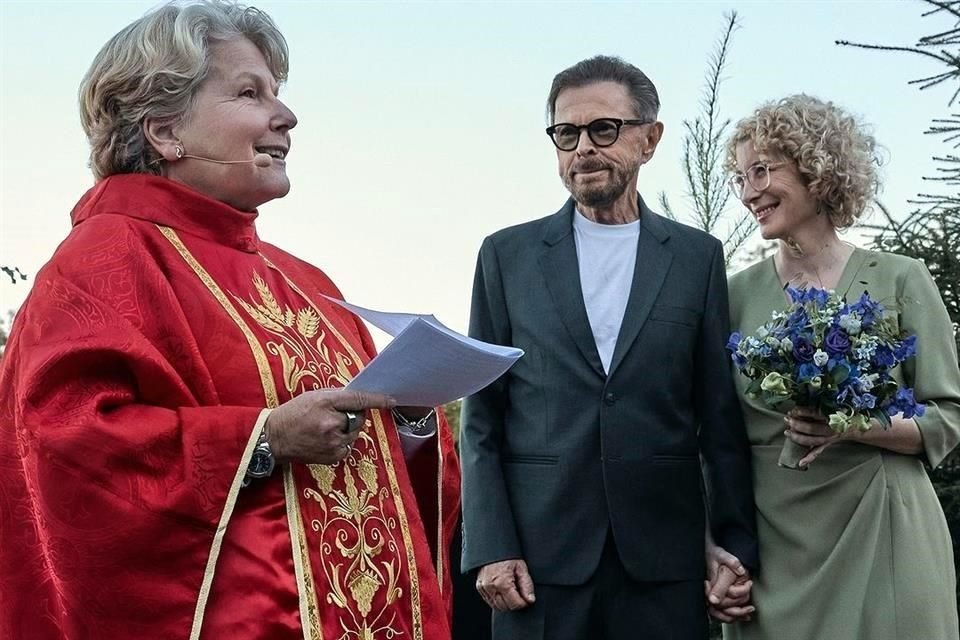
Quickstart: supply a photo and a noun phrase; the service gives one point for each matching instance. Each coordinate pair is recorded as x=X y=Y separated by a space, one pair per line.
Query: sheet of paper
x=428 y=364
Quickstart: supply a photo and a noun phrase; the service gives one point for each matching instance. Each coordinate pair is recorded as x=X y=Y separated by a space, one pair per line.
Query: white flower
x=820 y=358
x=867 y=382
x=865 y=351
x=786 y=345
x=773 y=342
x=762 y=332
x=850 y=323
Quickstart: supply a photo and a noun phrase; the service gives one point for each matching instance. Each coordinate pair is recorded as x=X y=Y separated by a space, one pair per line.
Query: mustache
x=589 y=165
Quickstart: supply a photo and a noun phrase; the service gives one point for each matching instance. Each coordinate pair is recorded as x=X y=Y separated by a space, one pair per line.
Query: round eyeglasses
x=757 y=175
x=603 y=132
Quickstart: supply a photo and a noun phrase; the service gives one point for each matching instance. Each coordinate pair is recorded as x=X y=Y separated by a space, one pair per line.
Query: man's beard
x=602 y=195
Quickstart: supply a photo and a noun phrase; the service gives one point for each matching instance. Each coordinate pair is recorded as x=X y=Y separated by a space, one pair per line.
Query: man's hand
x=727 y=586
x=506 y=585
x=311 y=427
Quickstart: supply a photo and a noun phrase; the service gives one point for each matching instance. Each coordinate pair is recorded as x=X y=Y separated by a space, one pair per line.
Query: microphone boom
x=262 y=160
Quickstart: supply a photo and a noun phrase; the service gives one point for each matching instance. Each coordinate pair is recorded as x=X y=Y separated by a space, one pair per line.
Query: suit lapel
x=653 y=262
x=561 y=272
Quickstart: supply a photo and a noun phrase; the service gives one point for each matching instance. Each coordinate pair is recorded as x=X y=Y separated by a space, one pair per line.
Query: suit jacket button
x=609 y=399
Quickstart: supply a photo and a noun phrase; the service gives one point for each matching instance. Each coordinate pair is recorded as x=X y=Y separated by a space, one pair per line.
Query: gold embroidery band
x=309 y=611
x=263 y=367
x=270 y=395
x=388 y=463
x=231 y=502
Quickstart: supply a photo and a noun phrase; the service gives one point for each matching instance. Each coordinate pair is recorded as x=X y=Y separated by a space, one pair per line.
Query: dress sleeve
x=933 y=373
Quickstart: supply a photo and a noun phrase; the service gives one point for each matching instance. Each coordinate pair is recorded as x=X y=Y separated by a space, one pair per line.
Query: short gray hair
x=153 y=68
x=646 y=101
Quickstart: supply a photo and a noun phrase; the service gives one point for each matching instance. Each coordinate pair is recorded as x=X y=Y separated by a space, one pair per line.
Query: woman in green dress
x=853 y=544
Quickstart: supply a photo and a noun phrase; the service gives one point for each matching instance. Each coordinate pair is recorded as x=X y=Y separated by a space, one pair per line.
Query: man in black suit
x=583 y=497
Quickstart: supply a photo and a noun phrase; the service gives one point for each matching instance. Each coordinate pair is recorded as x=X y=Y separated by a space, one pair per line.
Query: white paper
x=427 y=364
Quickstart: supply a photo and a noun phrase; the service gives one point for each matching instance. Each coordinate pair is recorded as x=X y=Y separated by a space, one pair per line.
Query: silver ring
x=352 y=421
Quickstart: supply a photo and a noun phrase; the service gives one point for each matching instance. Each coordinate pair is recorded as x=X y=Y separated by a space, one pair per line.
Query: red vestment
x=132 y=393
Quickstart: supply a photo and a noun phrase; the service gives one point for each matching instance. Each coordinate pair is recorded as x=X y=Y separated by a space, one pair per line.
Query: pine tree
x=931 y=232
x=703 y=151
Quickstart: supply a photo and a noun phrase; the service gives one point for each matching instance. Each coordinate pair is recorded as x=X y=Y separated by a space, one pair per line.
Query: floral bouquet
x=830 y=356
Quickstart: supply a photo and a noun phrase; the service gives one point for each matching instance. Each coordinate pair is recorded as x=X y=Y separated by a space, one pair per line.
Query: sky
x=421 y=123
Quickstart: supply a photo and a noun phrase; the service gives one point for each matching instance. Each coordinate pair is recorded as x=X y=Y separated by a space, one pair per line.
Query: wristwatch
x=262 y=461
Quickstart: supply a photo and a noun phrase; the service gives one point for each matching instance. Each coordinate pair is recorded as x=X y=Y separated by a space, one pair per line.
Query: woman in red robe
x=179 y=459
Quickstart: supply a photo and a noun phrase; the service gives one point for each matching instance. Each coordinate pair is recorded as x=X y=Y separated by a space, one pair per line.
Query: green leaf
x=839 y=374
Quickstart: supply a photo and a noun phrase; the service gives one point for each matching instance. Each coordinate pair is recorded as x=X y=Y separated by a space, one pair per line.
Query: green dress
x=857 y=547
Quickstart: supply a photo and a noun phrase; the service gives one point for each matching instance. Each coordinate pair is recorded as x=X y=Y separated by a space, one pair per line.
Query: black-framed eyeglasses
x=603 y=132
x=757 y=175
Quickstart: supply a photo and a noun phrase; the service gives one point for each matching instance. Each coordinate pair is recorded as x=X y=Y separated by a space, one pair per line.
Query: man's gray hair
x=646 y=102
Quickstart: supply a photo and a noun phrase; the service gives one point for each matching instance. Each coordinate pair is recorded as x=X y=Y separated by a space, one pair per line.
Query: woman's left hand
x=809 y=428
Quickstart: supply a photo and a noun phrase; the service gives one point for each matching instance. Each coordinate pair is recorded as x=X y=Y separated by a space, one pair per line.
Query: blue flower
x=868 y=309
x=803 y=349
x=905 y=403
x=797 y=296
x=802 y=296
x=807 y=371
x=836 y=341
x=819 y=297
x=797 y=320
x=733 y=343
x=841 y=371
x=883 y=357
x=865 y=401
x=906 y=349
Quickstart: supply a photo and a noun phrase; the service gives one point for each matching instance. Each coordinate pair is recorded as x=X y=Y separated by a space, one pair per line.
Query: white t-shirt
x=607 y=255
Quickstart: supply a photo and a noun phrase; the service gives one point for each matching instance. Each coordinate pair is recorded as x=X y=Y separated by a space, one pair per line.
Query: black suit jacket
x=556 y=452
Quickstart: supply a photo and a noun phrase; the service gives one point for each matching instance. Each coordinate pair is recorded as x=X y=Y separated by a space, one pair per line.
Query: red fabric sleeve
x=113 y=476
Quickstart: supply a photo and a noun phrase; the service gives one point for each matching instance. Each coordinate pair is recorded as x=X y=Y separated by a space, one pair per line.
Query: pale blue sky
x=421 y=123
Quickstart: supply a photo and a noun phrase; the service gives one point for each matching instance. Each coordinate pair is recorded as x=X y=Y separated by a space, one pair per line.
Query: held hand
x=809 y=428
x=506 y=585
x=727 y=587
x=312 y=427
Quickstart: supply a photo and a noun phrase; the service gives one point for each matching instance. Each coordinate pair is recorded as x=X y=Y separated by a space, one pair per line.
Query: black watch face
x=260 y=464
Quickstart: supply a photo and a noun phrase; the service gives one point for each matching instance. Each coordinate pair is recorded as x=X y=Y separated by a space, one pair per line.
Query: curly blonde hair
x=835 y=154
x=153 y=68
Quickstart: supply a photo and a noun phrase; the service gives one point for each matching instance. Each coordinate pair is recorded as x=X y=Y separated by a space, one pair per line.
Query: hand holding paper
x=428 y=364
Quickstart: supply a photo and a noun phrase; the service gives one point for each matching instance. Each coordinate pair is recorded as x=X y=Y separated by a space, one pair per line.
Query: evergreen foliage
x=931 y=232
x=703 y=152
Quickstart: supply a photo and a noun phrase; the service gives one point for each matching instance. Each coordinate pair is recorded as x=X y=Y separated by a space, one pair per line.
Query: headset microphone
x=261 y=160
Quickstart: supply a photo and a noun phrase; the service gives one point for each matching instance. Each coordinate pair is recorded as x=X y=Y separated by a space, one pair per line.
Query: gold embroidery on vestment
x=263 y=367
x=354 y=515
x=362 y=585
x=300 y=343
x=383 y=446
x=309 y=611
